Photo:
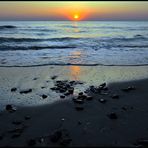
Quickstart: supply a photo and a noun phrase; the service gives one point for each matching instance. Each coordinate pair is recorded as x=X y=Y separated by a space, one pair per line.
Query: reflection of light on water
x=76 y=54
x=75 y=25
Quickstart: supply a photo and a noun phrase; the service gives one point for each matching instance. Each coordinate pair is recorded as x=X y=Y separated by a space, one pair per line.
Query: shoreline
x=55 y=121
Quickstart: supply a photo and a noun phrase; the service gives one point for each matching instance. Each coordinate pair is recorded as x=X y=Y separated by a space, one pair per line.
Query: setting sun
x=76 y=16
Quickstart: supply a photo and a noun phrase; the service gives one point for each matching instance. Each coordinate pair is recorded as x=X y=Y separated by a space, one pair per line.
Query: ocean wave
x=13 y=48
x=7 y=39
x=7 y=27
x=71 y=64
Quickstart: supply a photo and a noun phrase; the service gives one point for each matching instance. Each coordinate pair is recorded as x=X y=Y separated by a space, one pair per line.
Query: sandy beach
x=36 y=112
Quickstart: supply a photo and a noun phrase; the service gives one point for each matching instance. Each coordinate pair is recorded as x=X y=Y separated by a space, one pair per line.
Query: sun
x=76 y=16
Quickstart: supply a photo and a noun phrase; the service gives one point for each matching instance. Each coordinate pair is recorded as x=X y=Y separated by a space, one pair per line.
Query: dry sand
x=54 y=121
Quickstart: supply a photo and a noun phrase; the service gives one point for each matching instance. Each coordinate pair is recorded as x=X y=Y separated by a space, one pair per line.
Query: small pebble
x=102 y=85
x=79 y=101
x=102 y=100
x=65 y=141
x=112 y=115
x=115 y=96
x=79 y=108
x=89 y=97
x=25 y=91
x=55 y=137
x=1 y=137
x=10 y=108
x=27 y=117
x=81 y=93
x=35 y=78
x=13 y=89
x=44 y=96
x=54 y=77
x=16 y=135
x=16 y=122
x=31 y=142
x=62 y=96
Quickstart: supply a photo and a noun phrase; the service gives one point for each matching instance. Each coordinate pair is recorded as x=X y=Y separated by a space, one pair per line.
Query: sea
x=39 y=43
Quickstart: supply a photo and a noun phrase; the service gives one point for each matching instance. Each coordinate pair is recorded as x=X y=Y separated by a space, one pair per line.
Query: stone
x=10 y=108
x=115 y=96
x=16 y=135
x=102 y=85
x=35 y=78
x=79 y=101
x=54 y=77
x=56 y=136
x=79 y=108
x=31 y=142
x=102 y=100
x=25 y=91
x=16 y=122
x=71 y=91
x=129 y=88
x=112 y=115
x=89 y=97
x=62 y=96
x=65 y=141
x=44 y=96
x=81 y=93
x=143 y=142
x=13 y=89
x=27 y=117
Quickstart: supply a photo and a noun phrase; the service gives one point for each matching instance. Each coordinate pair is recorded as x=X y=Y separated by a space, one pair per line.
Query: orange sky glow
x=74 y=10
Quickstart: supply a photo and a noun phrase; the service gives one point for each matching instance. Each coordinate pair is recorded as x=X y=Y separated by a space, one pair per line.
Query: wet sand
x=113 y=117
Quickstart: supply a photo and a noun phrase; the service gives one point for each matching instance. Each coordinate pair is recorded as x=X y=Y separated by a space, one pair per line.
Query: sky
x=74 y=10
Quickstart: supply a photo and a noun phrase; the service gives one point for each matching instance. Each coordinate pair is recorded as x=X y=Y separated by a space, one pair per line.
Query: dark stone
x=31 y=142
x=105 y=88
x=82 y=97
x=89 y=97
x=102 y=100
x=79 y=101
x=13 y=89
x=16 y=135
x=62 y=90
x=115 y=96
x=72 y=82
x=10 y=108
x=124 y=108
x=79 y=108
x=44 y=96
x=43 y=87
x=62 y=96
x=102 y=85
x=25 y=91
x=81 y=93
x=65 y=141
x=79 y=122
x=55 y=137
x=53 y=88
x=27 y=117
x=16 y=122
x=54 y=77
x=35 y=78
x=17 y=130
x=1 y=137
x=71 y=90
x=67 y=94
x=112 y=115
x=129 y=88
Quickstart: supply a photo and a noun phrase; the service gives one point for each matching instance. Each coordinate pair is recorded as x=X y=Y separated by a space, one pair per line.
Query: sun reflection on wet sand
x=75 y=71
